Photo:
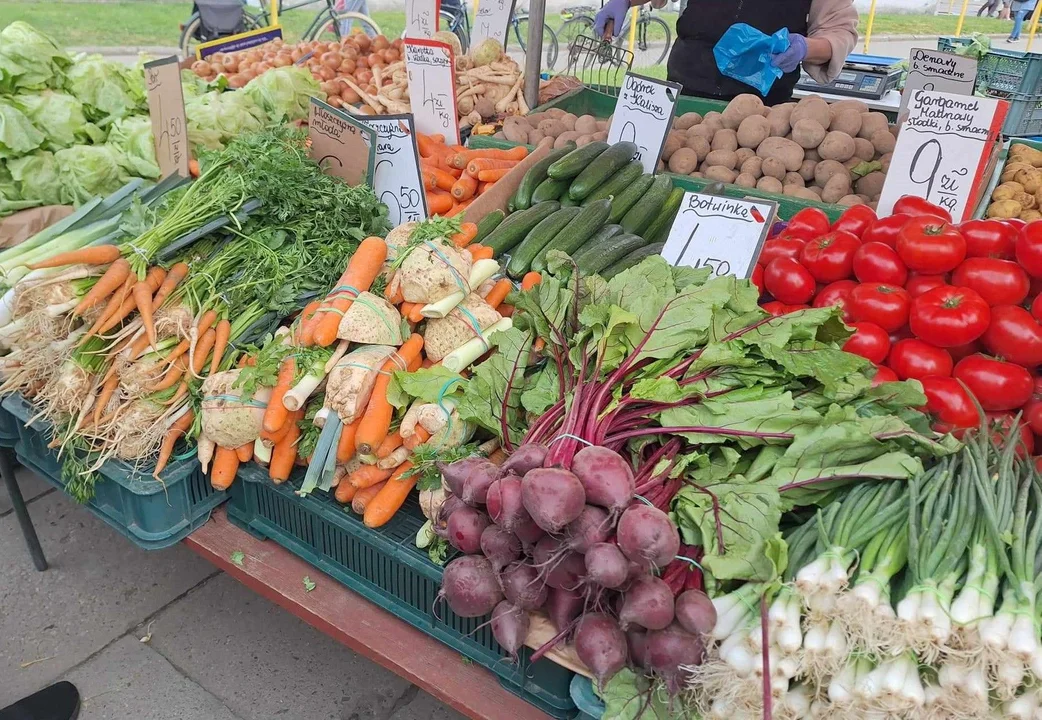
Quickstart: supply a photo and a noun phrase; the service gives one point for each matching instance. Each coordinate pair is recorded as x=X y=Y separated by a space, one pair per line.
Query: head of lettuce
x=29 y=59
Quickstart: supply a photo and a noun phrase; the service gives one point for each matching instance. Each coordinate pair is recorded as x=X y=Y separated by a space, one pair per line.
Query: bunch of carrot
x=454 y=176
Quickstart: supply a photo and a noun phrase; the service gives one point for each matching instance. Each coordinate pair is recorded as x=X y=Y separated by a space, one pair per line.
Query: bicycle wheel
x=572 y=29
x=329 y=25
x=448 y=21
x=550 y=45
x=653 y=41
x=192 y=32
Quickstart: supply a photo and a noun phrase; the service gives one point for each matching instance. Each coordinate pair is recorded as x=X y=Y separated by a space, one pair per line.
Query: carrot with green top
x=107 y=284
x=170 y=377
x=143 y=300
x=376 y=421
x=178 y=272
x=96 y=255
x=391 y=497
x=480 y=252
x=176 y=430
x=220 y=345
x=367 y=475
x=107 y=391
x=284 y=455
x=305 y=332
x=391 y=443
x=276 y=413
x=467 y=232
x=362 y=270
x=419 y=437
x=202 y=351
x=530 y=280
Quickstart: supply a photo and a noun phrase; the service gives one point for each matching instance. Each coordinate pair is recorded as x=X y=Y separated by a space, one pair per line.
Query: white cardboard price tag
x=421 y=18
x=722 y=233
x=937 y=72
x=492 y=20
x=432 y=87
x=943 y=150
x=397 y=181
x=644 y=115
x=166 y=108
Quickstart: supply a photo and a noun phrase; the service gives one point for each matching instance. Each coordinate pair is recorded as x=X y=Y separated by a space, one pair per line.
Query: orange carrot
x=394 y=297
x=414 y=315
x=193 y=168
x=181 y=349
x=107 y=284
x=391 y=443
x=284 y=455
x=377 y=418
x=361 y=270
x=439 y=203
x=391 y=497
x=244 y=452
x=419 y=437
x=143 y=300
x=107 y=391
x=205 y=322
x=138 y=346
x=427 y=145
x=492 y=176
x=276 y=413
x=465 y=187
x=467 y=232
x=499 y=292
x=345 y=491
x=429 y=180
x=120 y=306
x=530 y=280
x=480 y=252
x=308 y=321
x=484 y=187
x=97 y=255
x=202 y=349
x=177 y=429
x=345 y=447
x=479 y=165
x=178 y=272
x=498 y=456
x=459 y=207
x=225 y=466
x=443 y=179
x=181 y=394
x=463 y=158
x=367 y=475
x=170 y=377
x=365 y=496
x=276 y=437
x=224 y=331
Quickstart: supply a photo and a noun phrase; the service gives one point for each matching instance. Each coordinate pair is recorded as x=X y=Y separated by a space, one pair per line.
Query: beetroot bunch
x=576 y=543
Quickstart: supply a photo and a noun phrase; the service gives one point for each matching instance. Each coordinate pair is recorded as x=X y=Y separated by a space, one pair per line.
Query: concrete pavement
x=164 y=636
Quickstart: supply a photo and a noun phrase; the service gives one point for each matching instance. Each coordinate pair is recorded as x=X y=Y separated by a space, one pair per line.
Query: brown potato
x=745 y=180
x=808 y=133
x=849 y=200
x=870 y=185
x=744 y=154
x=827 y=169
x=753 y=131
x=725 y=140
x=713 y=120
x=741 y=107
x=753 y=166
x=770 y=184
x=883 y=141
x=872 y=122
x=837 y=146
x=794 y=179
x=674 y=141
x=687 y=120
x=813 y=108
x=587 y=125
x=1031 y=180
x=700 y=145
x=787 y=151
x=837 y=187
x=806 y=171
x=723 y=158
x=780 y=117
x=721 y=174
x=1030 y=215
x=847 y=121
x=683 y=161
x=864 y=149
x=773 y=167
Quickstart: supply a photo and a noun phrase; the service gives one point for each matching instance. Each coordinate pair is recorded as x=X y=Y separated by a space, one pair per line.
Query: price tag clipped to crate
x=166 y=108
x=421 y=18
x=398 y=182
x=432 y=87
x=721 y=233
x=943 y=151
x=491 y=21
x=342 y=145
x=937 y=72
x=643 y=115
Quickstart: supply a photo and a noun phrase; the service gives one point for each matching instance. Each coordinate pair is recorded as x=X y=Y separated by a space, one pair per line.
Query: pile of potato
x=554 y=123
x=1020 y=194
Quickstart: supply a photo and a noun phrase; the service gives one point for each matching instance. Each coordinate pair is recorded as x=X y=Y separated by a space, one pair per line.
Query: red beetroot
x=560 y=567
x=647 y=536
x=553 y=497
x=475 y=487
x=637 y=642
x=500 y=546
x=470 y=586
x=525 y=458
x=648 y=603
x=601 y=646
x=606 y=565
x=563 y=606
x=456 y=474
x=503 y=502
x=591 y=527
x=510 y=627
x=670 y=649
x=465 y=528
x=606 y=477
x=695 y=612
x=522 y=586
x=529 y=533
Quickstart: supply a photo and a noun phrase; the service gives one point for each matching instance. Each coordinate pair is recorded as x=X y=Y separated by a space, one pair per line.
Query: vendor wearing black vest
x=821 y=32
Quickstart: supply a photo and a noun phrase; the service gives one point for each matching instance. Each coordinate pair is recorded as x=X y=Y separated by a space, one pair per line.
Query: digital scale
x=868 y=77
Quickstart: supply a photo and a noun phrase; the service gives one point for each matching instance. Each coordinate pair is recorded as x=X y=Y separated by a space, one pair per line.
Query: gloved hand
x=614 y=10
x=791 y=58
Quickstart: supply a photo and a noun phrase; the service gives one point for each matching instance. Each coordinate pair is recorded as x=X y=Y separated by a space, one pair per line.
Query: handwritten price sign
x=491 y=21
x=166 y=108
x=398 y=182
x=432 y=87
x=943 y=151
x=421 y=18
x=937 y=72
x=643 y=115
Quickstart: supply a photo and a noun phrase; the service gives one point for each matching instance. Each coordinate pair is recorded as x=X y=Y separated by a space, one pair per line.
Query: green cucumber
x=594 y=257
x=583 y=228
x=644 y=211
x=536 y=174
x=659 y=227
x=626 y=199
x=539 y=237
x=617 y=183
x=567 y=201
x=603 y=167
x=632 y=259
x=549 y=189
x=576 y=161
x=489 y=223
x=514 y=229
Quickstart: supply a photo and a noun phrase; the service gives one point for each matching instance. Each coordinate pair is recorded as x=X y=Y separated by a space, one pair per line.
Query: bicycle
x=332 y=21
x=651 y=45
x=458 y=23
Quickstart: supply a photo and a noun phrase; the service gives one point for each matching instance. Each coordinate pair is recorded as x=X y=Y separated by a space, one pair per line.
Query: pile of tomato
x=956 y=307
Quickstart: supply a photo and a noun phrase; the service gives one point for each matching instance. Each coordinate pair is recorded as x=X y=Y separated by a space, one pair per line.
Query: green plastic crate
x=8 y=429
x=584 y=101
x=787 y=205
x=150 y=513
x=590 y=706
x=384 y=566
x=993 y=182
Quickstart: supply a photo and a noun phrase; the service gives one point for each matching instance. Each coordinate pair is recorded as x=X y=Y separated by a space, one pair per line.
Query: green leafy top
x=264 y=371
x=431 y=229
x=425 y=461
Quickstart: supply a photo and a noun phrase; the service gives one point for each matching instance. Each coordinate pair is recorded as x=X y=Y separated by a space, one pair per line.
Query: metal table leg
x=7 y=470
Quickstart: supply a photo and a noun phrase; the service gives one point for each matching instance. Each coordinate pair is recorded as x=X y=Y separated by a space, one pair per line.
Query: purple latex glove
x=614 y=10
x=790 y=59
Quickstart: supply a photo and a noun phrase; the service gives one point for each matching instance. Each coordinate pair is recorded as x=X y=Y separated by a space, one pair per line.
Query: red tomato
x=918 y=284
x=999 y=282
x=788 y=281
x=757 y=278
x=948 y=401
x=885 y=230
x=837 y=293
x=1033 y=414
x=918 y=207
x=777 y=309
x=988 y=238
x=1014 y=223
x=960 y=351
x=884 y=305
x=856 y=220
x=1036 y=308
x=949 y=316
x=883 y=375
x=780 y=247
x=997 y=385
x=1014 y=335
x=878 y=262
x=931 y=246
x=1029 y=248
x=915 y=359
x=830 y=257
x=902 y=333
x=869 y=341
x=808 y=223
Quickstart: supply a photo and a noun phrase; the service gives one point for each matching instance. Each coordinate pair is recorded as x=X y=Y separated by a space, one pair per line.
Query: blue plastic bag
x=744 y=53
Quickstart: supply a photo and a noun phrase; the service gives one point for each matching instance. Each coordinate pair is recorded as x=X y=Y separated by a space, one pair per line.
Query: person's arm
x=830 y=39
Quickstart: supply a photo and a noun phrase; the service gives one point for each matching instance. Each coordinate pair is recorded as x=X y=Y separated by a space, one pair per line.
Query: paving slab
x=265 y=664
x=131 y=680
x=98 y=587
x=31 y=485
